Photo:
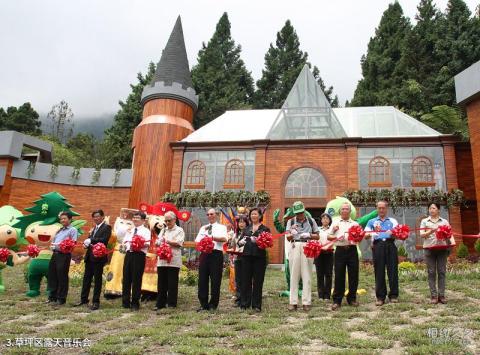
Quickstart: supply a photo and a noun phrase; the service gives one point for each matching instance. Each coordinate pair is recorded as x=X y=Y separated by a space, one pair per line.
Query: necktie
x=135 y=231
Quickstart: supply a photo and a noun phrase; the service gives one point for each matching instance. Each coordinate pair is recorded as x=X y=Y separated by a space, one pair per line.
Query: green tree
x=448 y=120
x=419 y=61
x=22 y=119
x=220 y=78
x=457 y=48
x=381 y=77
x=117 y=143
x=283 y=63
x=61 y=121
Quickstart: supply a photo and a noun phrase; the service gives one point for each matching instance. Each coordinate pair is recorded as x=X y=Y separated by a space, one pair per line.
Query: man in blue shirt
x=384 y=253
x=60 y=262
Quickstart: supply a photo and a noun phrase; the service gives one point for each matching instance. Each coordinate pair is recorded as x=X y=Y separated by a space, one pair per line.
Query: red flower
x=4 y=254
x=206 y=245
x=164 y=252
x=356 y=234
x=443 y=232
x=33 y=250
x=99 y=250
x=312 y=249
x=138 y=242
x=66 y=246
x=401 y=231
x=265 y=240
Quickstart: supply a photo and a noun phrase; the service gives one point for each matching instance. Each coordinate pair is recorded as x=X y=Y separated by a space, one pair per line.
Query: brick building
x=304 y=151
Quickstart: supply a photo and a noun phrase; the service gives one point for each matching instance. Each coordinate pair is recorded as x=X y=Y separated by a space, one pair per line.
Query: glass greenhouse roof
x=306 y=114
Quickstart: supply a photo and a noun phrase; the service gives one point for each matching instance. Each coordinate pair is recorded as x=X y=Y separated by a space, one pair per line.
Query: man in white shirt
x=346 y=258
x=211 y=265
x=134 y=264
x=167 y=272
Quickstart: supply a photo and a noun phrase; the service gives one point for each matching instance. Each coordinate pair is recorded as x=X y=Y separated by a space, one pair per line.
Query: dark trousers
x=346 y=259
x=58 y=276
x=436 y=265
x=210 y=271
x=238 y=278
x=253 y=274
x=324 y=267
x=93 y=271
x=385 y=255
x=133 y=267
x=167 y=286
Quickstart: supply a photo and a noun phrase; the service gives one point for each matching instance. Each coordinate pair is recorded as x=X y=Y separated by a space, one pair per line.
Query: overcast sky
x=88 y=52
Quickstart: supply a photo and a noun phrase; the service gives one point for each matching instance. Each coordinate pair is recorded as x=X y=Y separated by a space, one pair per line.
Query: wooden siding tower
x=169 y=104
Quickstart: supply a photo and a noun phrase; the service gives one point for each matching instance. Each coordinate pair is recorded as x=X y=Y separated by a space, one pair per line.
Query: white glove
x=253 y=240
x=305 y=235
x=242 y=242
x=87 y=242
x=293 y=231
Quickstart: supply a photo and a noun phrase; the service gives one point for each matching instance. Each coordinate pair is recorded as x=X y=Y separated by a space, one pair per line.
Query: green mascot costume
x=333 y=209
x=10 y=238
x=40 y=228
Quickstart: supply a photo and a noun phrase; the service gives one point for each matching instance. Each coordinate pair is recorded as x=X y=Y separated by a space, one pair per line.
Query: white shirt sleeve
x=394 y=222
x=180 y=237
x=200 y=235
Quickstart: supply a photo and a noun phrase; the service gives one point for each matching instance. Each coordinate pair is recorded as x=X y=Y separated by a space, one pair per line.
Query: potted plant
x=402 y=254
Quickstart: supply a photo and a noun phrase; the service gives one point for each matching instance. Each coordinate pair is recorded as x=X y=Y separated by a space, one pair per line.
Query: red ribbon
x=33 y=250
x=312 y=249
x=206 y=245
x=164 y=252
x=265 y=240
x=4 y=254
x=99 y=250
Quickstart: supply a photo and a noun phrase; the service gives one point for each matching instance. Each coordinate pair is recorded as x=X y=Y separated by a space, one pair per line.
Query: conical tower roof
x=306 y=113
x=172 y=77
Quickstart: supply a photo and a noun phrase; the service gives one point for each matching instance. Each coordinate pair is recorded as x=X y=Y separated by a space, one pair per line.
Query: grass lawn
x=412 y=326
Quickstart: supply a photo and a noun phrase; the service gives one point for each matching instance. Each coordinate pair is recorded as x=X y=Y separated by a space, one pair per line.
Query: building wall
x=84 y=198
x=466 y=183
x=333 y=162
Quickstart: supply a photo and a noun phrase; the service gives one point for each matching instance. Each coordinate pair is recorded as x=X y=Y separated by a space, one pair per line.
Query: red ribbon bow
x=33 y=250
x=265 y=240
x=443 y=232
x=4 y=254
x=66 y=246
x=312 y=249
x=138 y=242
x=99 y=250
x=401 y=231
x=164 y=252
x=206 y=245
x=356 y=234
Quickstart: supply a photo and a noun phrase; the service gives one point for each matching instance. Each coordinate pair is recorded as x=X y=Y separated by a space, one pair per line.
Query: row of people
x=338 y=254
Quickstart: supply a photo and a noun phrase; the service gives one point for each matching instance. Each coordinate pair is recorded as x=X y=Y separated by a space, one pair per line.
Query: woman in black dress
x=254 y=263
x=241 y=224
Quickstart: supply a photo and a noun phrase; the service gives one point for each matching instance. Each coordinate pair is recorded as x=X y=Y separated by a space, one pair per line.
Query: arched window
x=379 y=172
x=195 y=175
x=234 y=175
x=422 y=172
x=306 y=182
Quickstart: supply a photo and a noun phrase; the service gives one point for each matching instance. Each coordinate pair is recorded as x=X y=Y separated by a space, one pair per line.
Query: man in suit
x=94 y=265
